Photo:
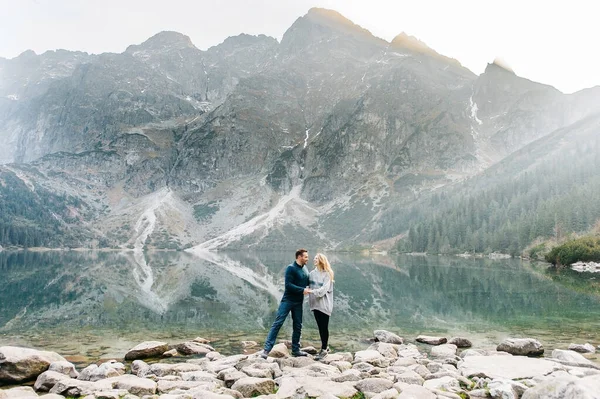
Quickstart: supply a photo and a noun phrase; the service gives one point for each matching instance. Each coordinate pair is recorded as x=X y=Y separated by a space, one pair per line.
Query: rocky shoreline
x=390 y=368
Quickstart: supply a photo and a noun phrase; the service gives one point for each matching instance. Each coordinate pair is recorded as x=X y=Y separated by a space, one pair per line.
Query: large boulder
x=387 y=337
x=24 y=364
x=582 y=348
x=521 y=347
x=251 y=386
x=565 y=387
x=147 y=349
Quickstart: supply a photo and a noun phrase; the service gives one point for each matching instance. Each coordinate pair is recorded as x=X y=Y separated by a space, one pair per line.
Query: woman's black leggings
x=323 y=323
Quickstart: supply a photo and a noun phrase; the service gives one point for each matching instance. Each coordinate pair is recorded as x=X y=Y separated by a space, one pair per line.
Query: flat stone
x=24 y=364
x=427 y=339
x=521 y=347
x=387 y=337
x=506 y=367
x=147 y=349
x=201 y=340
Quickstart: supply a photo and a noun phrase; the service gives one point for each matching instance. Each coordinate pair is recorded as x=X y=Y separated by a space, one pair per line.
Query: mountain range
x=324 y=139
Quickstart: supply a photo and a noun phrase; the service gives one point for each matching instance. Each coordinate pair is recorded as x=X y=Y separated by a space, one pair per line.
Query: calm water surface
x=99 y=304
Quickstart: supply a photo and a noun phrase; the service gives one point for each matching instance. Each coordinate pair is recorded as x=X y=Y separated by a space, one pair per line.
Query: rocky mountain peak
x=243 y=40
x=163 y=41
x=320 y=27
x=499 y=66
x=410 y=43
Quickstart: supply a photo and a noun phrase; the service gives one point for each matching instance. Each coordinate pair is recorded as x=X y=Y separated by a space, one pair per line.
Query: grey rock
x=582 y=348
x=389 y=394
x=427 y=339
x=351 y=375
x=194 y=348
x=410 y=377
x=444 y=351
x=506 y=367
x=18 y=392
x=572 y=358
x=170 y=353
x=387 y=337
x=506 y=389
x=565 y=387
x=375 y=385
x=251 y=386
x=521 y=347
x=230 y=376
x=279 y=351
x=146 y=350
x=460 y=342
x=66 y=368
x=46 y=381
x=416 y=392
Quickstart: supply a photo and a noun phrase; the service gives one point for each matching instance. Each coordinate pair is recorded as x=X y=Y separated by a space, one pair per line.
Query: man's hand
x=307 y=291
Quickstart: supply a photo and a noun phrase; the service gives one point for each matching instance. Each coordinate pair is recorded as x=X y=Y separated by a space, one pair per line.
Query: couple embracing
x=318 y=285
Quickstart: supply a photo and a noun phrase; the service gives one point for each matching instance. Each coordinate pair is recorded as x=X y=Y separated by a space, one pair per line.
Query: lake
x=99 y=304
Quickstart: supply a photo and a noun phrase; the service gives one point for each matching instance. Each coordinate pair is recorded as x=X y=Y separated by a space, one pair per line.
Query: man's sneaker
x=322 y=354
x=299 y=353
x=264 y=354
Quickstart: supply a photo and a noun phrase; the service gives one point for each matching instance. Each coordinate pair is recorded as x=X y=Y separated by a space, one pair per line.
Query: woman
x=321 y=299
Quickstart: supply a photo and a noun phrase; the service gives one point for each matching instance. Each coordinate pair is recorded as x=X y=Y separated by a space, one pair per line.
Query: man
x=296 y=287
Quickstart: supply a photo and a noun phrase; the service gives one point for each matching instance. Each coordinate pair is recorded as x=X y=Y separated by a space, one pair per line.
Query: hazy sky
x=552 y=41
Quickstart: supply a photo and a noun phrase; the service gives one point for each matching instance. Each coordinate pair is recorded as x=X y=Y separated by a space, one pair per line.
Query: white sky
x=554 y=42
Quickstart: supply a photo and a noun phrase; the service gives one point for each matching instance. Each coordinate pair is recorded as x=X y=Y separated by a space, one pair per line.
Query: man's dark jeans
x=286 y=307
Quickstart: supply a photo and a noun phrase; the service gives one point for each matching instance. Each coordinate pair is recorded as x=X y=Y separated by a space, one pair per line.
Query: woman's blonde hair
x=323 y=265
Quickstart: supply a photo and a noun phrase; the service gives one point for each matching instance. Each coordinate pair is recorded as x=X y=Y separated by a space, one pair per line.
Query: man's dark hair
x=300 y=252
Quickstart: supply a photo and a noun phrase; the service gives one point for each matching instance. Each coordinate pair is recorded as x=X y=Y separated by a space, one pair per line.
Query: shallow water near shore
x=95 y=305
